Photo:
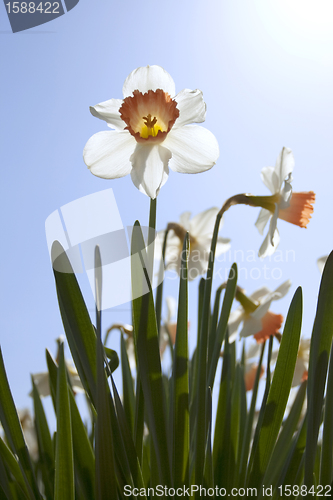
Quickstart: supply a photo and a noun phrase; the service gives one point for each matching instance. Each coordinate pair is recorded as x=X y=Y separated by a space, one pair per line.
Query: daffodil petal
x=204 y=242
x=235 y=319
x=263 y=218
x=109 y=112
x=300 y=368
x=107 y=154
x=222 y=246
x=149 y=78
x=269 y=178
x=192 y=107
x=150 y=168
x=204 y=222
x=253 y=351
x=263 y=308
x=76 y=383
x=173 y=259
x=194 y=149
x=284 y=164
x=251 y=326
x=42 y=383
x=196 y=267
x=171 y=305
x=282 y=290
x=260 y=293
x=272 y=239
x=267 y=248
x=321 y=263
x=184 y=220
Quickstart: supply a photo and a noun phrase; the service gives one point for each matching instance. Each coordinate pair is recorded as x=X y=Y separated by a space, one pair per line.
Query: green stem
x=151 y=238
x=159 y=290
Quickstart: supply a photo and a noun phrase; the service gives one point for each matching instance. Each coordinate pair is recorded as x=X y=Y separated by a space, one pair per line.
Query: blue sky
x=266 y=71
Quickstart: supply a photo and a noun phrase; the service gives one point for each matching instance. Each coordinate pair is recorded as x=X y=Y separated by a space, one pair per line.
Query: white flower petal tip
x=107 y=154
x=295 y=208
x=150 y=168
x=282 y=290
x=149 y=78
x=150 y=115
x=194 y=149
x=192 y=107
x=321 y=263
x=200 y=229
x=109 y=112
x=257 y=320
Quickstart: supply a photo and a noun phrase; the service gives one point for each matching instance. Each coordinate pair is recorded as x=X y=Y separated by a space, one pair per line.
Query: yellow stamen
x=149 y=122
x=150 y=127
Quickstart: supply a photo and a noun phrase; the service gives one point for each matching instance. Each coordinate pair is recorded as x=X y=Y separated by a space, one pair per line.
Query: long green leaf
x=223 y=459
x=147 y=347
x=282 y=446
x=249 y=425
x=77 y=324
x=279 y=390
x=223 y=323
x=13 y=430
x=320 y=348
x=214 y=322
x=201 y=417
x=5 y=487
x=237 y=419
x=53 y=371
x=106 y=484
x=64 y=462
x=45 y=446
x=84 y=459
x=326 y=463
x=181 y=429
x=294 y=463
x=128 y=440
x=23 y=487
x=208 y=477
x=193 y=372
x=261 y=415
x=128 y=389
x=139 y=419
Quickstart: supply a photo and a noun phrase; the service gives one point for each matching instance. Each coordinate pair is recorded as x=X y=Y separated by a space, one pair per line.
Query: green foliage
x=163 y=430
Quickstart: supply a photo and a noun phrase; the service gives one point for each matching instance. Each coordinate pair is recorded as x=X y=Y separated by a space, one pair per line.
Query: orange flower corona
x=149 y=116
x=300 y=209
x=271 y=324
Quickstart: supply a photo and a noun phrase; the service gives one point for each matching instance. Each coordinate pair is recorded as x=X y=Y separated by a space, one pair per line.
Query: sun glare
x=301 y=27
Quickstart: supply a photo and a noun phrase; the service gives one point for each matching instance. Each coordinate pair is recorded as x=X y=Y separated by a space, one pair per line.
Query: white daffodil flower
x=42 y=381
x=321 y=263
x=152 y=132
x=302 y=362
x=295 y=208
x=258 y=320
x=200 y=229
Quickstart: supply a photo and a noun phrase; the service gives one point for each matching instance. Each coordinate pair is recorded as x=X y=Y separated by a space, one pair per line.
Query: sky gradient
x=267 y=77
